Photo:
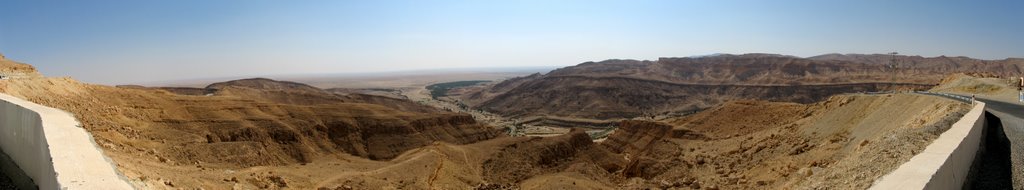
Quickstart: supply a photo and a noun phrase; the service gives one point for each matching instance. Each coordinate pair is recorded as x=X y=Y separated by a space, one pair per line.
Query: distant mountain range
x=618 y=88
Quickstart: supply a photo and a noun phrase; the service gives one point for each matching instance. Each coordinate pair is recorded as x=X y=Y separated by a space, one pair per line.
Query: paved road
x=1005 y=151
x=1011 y=115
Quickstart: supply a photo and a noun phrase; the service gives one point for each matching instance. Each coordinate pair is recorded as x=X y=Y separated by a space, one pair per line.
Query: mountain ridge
x=625 y=88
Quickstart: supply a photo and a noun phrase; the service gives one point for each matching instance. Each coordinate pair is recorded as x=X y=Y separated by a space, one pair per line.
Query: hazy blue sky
x=119 y=42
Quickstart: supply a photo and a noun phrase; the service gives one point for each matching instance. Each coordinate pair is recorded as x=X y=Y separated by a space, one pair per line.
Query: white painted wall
x=944 y=164
x=51 y=148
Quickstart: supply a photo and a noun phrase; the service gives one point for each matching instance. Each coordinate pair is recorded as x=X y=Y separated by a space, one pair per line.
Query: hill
x=268 y=134
x=616 y=89
x=160 y=139
x=14 y=69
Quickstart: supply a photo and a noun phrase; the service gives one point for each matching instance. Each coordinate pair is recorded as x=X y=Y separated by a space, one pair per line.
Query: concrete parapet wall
x=945 y=163
x=49 y=145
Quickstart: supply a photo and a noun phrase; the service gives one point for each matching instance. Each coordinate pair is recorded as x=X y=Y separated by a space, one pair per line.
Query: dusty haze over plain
x=122 y=42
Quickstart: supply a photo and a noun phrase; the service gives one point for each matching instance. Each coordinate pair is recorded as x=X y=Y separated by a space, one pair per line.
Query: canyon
x=755 y=133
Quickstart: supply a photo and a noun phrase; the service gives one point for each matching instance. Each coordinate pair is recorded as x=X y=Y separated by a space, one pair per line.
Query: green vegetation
x=441 y=89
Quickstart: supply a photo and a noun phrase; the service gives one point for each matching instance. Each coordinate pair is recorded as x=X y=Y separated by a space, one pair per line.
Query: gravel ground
x=5 y=183
x=991 y=169
x=1012 y=118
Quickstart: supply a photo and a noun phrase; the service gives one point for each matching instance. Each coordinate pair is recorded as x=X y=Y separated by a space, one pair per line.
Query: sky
x=132 y=42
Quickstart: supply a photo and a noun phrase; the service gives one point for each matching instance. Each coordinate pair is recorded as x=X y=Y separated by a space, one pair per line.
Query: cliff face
x=616 y=89
x=618 y=97
x=374 y=138
x=386 y=140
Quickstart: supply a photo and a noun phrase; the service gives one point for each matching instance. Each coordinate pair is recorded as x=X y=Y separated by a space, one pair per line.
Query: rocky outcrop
x=634 y=136
x=13 y=69
x=290 y=141
x=536 y=156
x=637 y=141
x=386 y=140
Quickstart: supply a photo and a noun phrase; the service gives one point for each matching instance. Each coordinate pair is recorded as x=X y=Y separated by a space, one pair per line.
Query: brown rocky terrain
x=11 y=68
x=839 y=143
x=290 y=93
x=773 y=146
x=616 y=89
x=161 y=139
x=267 y=134
x=736 y=145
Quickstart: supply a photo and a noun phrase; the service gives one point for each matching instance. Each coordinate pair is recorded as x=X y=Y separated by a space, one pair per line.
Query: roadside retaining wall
x=945 y=163
x=52 y=149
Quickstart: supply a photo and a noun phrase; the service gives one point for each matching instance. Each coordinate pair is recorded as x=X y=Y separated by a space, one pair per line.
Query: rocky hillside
x=156 y=136
x=538 y=156
x=266 y=134
x=737 y=145
x=290 y=93
x=14 y=69
x=629 y=88
x=634 y=136
x=774 y=145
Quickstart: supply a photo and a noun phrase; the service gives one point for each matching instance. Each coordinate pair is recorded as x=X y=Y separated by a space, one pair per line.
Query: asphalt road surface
x=1011 y=116
x=1001 y=164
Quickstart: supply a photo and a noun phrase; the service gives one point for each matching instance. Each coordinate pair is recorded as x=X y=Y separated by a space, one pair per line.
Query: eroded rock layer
x=617 y=89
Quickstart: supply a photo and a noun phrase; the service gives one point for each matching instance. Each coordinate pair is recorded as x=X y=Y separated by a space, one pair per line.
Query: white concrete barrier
x=49 y=145
x=945 y=162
